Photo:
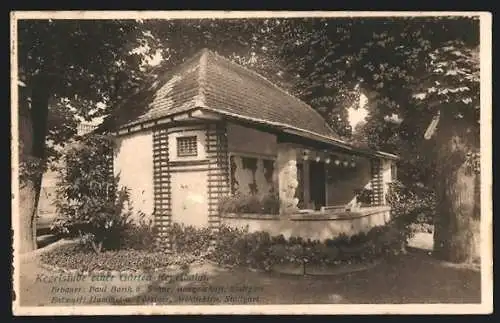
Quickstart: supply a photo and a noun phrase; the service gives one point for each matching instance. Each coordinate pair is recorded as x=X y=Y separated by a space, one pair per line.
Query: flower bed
x=260 y=250
x=236 y=247
x=253 y=204
x=76 y=257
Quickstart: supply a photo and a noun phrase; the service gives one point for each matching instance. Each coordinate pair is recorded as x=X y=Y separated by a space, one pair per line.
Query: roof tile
x=212 y=81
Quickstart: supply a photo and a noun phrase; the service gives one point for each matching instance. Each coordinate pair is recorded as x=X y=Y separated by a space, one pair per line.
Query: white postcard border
x=486 y=305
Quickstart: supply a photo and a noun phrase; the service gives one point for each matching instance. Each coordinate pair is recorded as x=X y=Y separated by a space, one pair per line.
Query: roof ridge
x=272 y=84
x=163 y=76
x=200 y=100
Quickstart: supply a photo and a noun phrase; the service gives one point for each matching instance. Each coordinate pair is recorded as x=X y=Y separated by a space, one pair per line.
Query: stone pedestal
x=286 y=163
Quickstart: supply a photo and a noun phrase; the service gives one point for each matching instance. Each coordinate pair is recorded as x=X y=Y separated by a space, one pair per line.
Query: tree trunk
x=27 y=224
x=456 y=232
x=27 y=191
x=32 y=134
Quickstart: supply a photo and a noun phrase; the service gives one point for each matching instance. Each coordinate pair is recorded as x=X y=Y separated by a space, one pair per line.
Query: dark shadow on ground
x=46 y=239
x=412 y=278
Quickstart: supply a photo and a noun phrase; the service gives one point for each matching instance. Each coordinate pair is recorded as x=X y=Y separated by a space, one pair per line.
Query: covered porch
x=324 y=190
x=314 y=180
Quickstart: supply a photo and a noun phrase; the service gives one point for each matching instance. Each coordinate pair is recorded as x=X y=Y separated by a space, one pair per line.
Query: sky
x=359 y=113
x=155 y=60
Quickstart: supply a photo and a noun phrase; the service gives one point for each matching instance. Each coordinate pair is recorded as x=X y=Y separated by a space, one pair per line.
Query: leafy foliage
x=248 y=203
x=111 y=70
x=55 y=67
x=473 y=162
x=140 y=234
x=61 y=128
x=409 y=68
x=364 y=195
x=86 y=198
x=238 y=247
x=61 y=80
x=189 y=240
x=82 y=259
x=411 y=205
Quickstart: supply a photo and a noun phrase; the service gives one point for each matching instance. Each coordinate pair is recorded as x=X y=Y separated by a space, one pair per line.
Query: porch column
x=287 y=178
x=306 y=183
x=386 y=179
x=376 y=182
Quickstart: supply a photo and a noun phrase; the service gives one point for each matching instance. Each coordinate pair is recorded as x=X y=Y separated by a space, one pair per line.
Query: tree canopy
x=60 y=62
x=410 y=68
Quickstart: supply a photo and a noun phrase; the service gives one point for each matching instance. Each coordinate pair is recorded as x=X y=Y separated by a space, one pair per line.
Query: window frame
x=188 y=145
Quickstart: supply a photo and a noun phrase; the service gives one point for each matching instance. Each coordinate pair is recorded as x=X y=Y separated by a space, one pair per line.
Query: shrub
x=189 y=240
x=271 y=204
x=229 y=246
x=100 y=224
x=363 y=195
x=87 y=200
x=295 y=253
x=259 y=250
x=140 y=235
x=340 y=240
x=411 y=205
x=321 y=253
x=390 y=240
x=248 y=203
x=235 y=246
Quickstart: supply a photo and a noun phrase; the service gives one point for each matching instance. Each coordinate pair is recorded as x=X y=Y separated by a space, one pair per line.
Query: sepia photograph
x=252 y=162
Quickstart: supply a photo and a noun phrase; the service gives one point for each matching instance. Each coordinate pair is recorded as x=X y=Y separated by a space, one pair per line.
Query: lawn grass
x=411 y=278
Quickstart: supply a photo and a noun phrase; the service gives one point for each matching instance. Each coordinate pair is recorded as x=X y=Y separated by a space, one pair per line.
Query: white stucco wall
x=248 y=140
x=176 y=132
x=133 y=161
x=189 y=183
x=190 y=198
x=314 y=228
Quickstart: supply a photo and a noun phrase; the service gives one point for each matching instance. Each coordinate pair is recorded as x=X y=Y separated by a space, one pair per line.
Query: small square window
x=187 y=146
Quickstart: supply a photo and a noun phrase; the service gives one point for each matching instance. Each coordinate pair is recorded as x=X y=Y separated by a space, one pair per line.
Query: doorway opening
x=317 y=183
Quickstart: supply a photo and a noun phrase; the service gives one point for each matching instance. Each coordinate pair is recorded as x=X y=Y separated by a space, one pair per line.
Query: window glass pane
x=187 y=146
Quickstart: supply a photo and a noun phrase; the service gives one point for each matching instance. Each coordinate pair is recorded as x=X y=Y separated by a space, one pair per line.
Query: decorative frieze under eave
x=336 y=145
x=186 y=116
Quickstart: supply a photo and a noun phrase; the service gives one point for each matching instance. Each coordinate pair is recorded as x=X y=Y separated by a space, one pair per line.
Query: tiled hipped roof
x=217 y=84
